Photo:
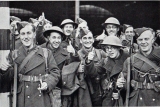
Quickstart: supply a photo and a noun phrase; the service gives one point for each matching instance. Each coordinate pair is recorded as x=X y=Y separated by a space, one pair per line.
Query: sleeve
x=53 y=76
x=40 y=39
x=93 y=69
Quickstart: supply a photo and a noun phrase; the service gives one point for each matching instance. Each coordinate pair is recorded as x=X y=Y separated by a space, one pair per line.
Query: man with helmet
x=144 y=78
x=111 y=27
x=68 y=27
x=55 y=36
x=109 y=70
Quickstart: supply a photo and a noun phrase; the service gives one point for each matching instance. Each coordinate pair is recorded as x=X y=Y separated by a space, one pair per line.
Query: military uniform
x=60 y=55
x=109 y=70
x=93 y=82
x=145 y=80
x=29 y=78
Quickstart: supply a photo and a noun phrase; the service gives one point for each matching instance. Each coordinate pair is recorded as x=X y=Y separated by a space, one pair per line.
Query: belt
x=139 y=85
x=29 y=78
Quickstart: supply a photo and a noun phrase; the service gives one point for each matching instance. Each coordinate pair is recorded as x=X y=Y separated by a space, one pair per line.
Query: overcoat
x=60 y=55
x=93 y=82
x=27 y=94
x=108 y=71
x=147 y=90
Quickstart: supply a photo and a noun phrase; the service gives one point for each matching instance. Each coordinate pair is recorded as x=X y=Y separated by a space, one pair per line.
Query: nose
x=25 y=35
x=143 y=41
x=57 y=40
x=109 y=49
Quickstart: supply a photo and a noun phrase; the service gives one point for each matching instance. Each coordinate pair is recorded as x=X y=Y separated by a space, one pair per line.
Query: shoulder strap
x=98 y=54
x=45 y=53
x=146 y=60
x=27 y=58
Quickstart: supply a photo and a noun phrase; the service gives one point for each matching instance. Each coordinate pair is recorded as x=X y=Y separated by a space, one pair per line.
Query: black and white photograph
x=80 y=53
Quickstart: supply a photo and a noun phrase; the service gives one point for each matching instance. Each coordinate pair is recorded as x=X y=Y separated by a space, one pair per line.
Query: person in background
x=127 y=38
x=111 y=28
x=68 y=27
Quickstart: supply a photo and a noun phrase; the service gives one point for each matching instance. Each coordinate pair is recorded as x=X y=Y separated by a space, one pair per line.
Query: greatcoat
x=109 y=70
x=145 y=81
x=27 y=94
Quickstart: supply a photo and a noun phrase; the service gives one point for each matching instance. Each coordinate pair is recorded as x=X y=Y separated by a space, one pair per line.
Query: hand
x=70 y=48
x=115 y=95
x=83 y=25
x=43 y=86
x=102 y=36
x=4 y=65
x=158 y=33
x=41 y=19
x=91 y=55
x=120 y=82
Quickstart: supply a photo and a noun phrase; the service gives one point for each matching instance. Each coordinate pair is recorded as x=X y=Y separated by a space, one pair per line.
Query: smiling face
x=112 y=29
x=27 y=36
x=68 y=29
x=55 y=39
x=87 y=40
x=112 y=51
x=145 y=41
x=129 y=33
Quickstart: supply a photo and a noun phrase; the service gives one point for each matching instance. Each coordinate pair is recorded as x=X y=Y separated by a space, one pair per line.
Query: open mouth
x=26 y=40
x=68 y=31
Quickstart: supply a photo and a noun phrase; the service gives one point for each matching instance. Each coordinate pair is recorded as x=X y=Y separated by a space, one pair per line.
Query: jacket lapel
x=61 y=55
x=35 y=61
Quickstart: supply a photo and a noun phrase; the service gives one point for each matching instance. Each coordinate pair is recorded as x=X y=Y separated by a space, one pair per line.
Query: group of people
x=123 y=69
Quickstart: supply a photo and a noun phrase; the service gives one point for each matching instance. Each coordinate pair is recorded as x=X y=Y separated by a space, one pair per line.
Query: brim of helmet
x=111 y=44
x=74 y=24
x=104 y=24
x=47 y=32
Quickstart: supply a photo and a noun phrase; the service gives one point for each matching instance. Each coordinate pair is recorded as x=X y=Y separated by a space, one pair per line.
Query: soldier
x=111 y=28
x=144 y=78
x=87 y=40
x=127 y=39
x=34 y=82
x=68 y=27
x=109 y=70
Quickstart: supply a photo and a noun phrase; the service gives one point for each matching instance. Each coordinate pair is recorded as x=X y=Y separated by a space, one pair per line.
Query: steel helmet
x=112 y=40
x=68 y=21
x=111 y=20
x=54 y=29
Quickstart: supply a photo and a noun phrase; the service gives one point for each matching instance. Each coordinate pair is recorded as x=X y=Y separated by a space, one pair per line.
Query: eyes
x=85 y=38
x=54 y=37
x=23 y=33
x=129 y=32
x=113 y=27
x=146 y=39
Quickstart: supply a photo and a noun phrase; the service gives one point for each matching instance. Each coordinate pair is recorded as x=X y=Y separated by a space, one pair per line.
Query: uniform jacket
x=108 y=70
x=145 y=74
x=60 y=55
x=75 y=88
x=93 y=82
x=27 y=94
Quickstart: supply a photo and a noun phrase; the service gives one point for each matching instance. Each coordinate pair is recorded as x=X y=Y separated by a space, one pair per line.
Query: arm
x=93 y=70
x=54 y=73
